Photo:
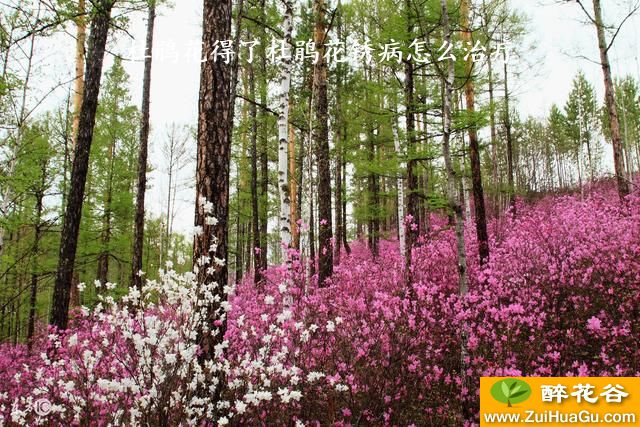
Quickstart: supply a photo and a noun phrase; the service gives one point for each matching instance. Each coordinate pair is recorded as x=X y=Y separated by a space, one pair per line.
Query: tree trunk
x=300 y=175
x=255 y=217
x=241 y=186
x=212 y=192
x=321 y=137
x=264 y=158
x=34 y=264
x=412 y=228
x=312 y=227
x=400 y=185
x=373 y=200
x=610 y=102
x=81 y=30
x=494 y=137
x=474 y=147
x=345 y=240
x=283 y=145
x=339 y=142
x=73 y=211
x=165 y=233
x=138 y=232
x=293 y=187
x=454 y=204
x=626 y=145
x=426 y=220
x=338 y=195
x=239 y=248
x=507 y=124
x=103 y=259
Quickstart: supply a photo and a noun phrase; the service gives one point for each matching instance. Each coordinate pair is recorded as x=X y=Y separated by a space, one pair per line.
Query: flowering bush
x=560 y=296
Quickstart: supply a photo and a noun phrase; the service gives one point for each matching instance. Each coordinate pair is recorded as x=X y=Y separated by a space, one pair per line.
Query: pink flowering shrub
x=560 y=296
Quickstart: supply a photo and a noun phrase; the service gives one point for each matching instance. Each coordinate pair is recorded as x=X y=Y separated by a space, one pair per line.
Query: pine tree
x=321 y=140
x=138 y=238
x=212 y=182
x=71 y=225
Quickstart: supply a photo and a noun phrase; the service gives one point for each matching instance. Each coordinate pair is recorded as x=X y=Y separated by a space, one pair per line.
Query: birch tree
x=400 y=185
x=283 y=134
x=454 y=201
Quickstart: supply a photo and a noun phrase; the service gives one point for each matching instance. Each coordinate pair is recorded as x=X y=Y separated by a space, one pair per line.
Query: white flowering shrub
x=136 y=361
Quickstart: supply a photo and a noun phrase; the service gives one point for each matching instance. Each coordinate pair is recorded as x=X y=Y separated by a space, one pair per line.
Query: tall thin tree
x=321 y=139
x=138 y=232
x=400 y=189
x=411 y=231
x=73 y=212
x=474 y=146
x=609 y=94
x=283 y=133
x=509 y=135
x=454 y=201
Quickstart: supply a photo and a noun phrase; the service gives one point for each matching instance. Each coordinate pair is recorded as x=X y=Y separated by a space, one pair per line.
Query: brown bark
x=412 y=177
x=373 y=199
x=300 y=176
x=426 y=224
x=239 y=247
x=339 y=142
x=241 y=186
x=610 y=102
x=73 y=211
x=74 y=297
x=255 y=222
x=345 y=240
x=264 y=156
x=138 y=233
x=321 y=139
x=264 y=201
x=103 y=259
x=81 y=36
x=494 y=138
x=474 y=147
x=34 y=264
x=212 y=183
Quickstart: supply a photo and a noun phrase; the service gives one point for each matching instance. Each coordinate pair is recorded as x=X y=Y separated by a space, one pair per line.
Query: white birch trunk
x=454 y=201
x=466 y=190
x=283 y=135
x=400 y=184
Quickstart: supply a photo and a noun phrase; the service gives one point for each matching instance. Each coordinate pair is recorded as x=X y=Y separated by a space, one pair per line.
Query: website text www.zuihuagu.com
x=559 y=417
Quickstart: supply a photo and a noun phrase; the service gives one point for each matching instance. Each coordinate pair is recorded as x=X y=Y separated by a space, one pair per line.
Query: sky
x=549 y=60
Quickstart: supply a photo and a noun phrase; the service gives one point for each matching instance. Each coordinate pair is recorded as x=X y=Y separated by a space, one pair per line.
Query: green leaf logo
x=510 y=391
